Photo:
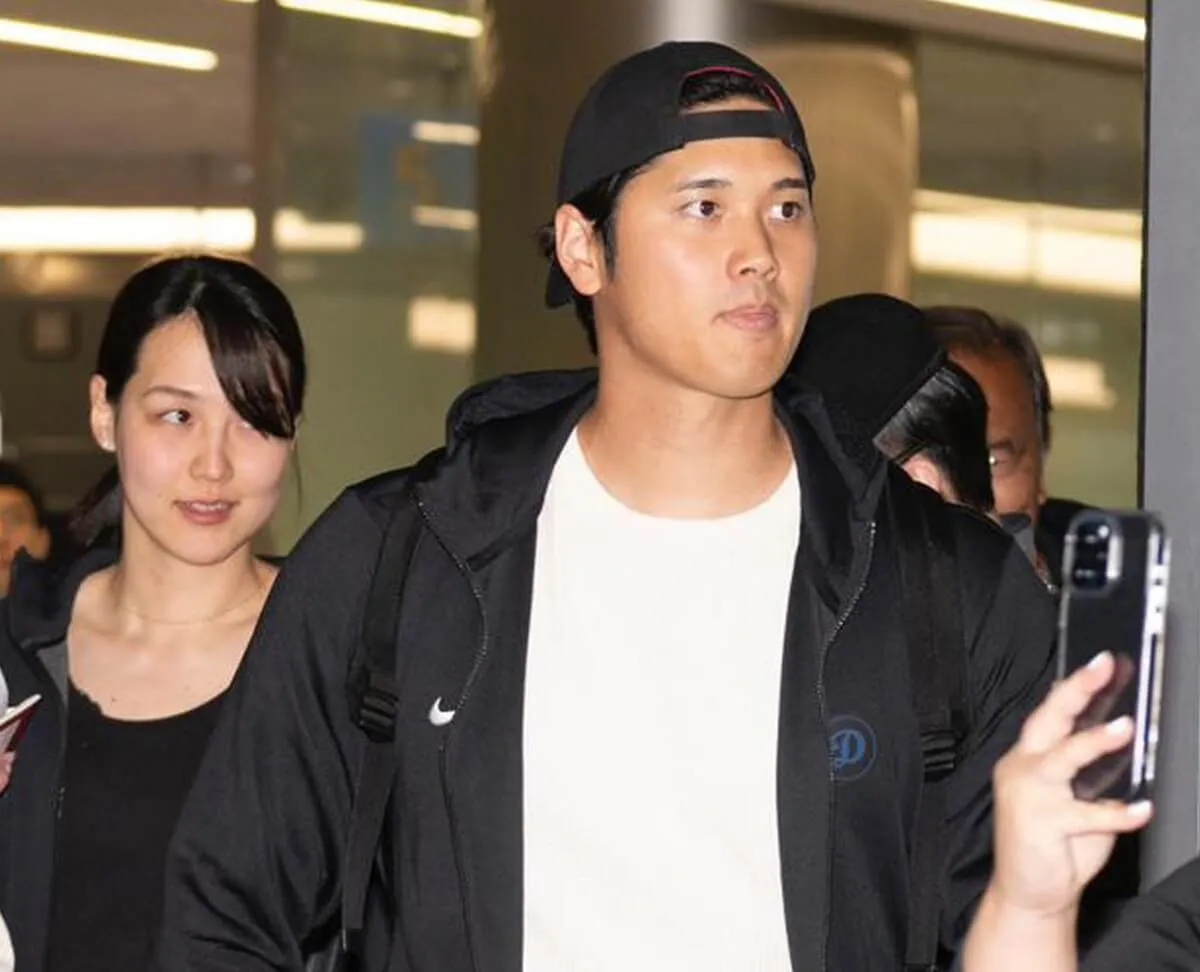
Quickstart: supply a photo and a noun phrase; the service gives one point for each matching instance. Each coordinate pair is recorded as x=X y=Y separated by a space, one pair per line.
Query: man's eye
x=1001 y=461
x=789 y=210
x=703 y=208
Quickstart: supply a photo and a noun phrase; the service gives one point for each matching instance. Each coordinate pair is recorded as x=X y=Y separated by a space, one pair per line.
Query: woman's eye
x=177 y=416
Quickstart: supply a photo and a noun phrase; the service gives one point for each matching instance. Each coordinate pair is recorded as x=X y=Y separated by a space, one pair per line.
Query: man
x=622 y=659
x=22 y=521
x=1002 y=357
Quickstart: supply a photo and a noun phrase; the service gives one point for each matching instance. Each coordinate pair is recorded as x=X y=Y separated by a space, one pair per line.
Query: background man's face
x=19 y=528
x=1014 y=438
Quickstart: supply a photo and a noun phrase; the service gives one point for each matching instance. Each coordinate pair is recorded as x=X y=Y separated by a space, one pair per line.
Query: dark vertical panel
x=1171 y=412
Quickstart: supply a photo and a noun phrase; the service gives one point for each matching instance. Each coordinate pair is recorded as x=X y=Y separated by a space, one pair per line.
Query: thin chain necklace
x=258 y=586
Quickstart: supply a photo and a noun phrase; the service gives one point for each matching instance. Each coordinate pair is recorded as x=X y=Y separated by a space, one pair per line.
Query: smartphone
x=1114 y=597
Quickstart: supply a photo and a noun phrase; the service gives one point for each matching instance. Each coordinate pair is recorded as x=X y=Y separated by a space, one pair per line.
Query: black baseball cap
x=632 y=114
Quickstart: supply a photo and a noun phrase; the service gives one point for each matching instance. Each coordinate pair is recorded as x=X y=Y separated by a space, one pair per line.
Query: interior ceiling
x=80 y=129
x=62 y=104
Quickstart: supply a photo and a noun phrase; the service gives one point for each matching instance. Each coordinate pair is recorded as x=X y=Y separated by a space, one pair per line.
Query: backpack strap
x=937 y=654
x=373 y=692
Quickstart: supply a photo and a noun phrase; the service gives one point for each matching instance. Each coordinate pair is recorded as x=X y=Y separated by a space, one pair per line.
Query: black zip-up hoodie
x=33 y=656
x=254 y=871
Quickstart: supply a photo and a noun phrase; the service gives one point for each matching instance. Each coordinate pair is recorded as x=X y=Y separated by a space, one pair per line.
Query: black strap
x=373 y=692
x=937 y=667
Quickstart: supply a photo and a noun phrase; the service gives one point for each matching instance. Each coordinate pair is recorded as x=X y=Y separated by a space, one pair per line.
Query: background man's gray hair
x=973 y=329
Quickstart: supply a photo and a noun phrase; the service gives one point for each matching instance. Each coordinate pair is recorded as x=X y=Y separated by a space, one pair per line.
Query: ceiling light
x=154 y=229
x=1032 y=244
x=1079 y=383
x=445 y=133
x=27 y=34
x=442 y=324
x=446 y=217
x=390 y=14
x=1060 y=14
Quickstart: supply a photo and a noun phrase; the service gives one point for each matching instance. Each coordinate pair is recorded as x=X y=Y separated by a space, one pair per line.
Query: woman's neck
x=152 y=588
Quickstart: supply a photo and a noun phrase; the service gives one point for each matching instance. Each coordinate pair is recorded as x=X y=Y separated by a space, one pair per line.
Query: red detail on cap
x=741 y=72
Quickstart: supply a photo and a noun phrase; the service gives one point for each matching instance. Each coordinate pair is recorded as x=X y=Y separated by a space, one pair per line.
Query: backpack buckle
x=375 y=713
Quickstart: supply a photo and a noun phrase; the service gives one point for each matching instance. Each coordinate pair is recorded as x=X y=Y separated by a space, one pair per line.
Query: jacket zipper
x=824 y=712
x=481 y=653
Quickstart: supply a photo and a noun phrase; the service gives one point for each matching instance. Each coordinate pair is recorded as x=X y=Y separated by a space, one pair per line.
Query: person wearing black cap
x=651 y=702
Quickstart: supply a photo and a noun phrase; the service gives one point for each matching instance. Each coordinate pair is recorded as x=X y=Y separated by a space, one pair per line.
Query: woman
x=197 y=393
x=939 y=437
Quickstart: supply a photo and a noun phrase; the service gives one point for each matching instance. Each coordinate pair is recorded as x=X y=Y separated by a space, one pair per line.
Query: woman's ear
x=102 y=416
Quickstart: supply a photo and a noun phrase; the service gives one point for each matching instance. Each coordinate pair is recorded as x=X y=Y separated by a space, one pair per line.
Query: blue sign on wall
x=408 y=161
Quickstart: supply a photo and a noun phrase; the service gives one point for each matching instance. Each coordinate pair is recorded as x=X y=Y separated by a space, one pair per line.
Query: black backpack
x=937 y=660
x=937 y=664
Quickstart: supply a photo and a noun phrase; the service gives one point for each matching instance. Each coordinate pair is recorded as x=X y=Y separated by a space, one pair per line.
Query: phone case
x=1117 y=602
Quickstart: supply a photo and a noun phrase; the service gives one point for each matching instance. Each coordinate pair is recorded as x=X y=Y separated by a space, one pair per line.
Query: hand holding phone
x=1048 y=843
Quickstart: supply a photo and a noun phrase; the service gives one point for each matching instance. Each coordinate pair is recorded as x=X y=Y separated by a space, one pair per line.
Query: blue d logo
x=851 y=747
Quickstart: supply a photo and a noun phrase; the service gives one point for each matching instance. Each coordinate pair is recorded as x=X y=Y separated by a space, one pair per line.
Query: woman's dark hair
x=946 y=421
x=251 y=333
x=598 y=203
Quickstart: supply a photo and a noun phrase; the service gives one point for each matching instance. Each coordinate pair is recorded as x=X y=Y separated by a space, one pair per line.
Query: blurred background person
x=1002 y=357
x=880 y=365
x=939 y=438
x=23 y=524
x=197 y=393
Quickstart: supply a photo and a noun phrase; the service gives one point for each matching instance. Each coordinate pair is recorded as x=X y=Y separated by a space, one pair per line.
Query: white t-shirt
x=652 y=689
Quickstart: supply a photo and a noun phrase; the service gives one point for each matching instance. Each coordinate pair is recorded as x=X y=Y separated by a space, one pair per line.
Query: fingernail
x=1140 y=809
x=1118 y=727
x=1098 y=659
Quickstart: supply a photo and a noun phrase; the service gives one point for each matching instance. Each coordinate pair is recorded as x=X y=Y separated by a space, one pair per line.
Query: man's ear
x=579 y=250
x=102 y=416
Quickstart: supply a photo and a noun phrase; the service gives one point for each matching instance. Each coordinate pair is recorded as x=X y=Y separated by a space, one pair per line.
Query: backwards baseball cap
x=633 y=114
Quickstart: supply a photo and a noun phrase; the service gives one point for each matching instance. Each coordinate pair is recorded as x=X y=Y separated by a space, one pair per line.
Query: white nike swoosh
x=439 y=716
